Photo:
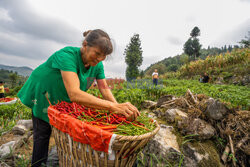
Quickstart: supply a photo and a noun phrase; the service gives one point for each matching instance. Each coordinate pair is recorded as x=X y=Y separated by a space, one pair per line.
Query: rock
x=22 y=127
x=6 y=149
x=174 y=114
x=245 y=80
x=26 y=123
x=192 y=153
x=162 y=147
x=235 y=80
x=3 y=164
x=22 y=140
x=188 y=162
x=19 y=130
x=152 y=115
x=219 y=81
x=200 y=154
x=148 y=104
x=240 y=80
x=158 y=113
x=215 y=109
x=197 y=127
x=163 y=99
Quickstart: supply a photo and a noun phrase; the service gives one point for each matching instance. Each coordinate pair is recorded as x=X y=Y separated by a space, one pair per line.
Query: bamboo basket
x=76 y=154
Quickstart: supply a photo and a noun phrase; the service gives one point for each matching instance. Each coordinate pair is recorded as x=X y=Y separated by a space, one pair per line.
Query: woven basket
x=75 y=154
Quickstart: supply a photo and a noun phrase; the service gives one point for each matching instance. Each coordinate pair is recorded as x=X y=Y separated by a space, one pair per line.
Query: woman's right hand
x=126 y=109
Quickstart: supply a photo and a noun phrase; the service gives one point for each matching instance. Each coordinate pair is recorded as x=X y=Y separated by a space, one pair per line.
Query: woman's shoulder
x=67 y=52
x=70 y=49
x=99 y=65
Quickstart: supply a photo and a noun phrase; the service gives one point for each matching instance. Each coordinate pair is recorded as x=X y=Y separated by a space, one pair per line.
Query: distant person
x=2 y=89
x=205 y=78
x=155 y=77
x=201 y=79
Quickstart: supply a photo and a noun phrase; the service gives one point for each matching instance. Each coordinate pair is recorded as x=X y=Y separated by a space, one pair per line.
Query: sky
x=32 y=30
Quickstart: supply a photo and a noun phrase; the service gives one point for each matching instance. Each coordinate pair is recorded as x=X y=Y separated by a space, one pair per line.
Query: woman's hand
x=126 y=109
x=72 y=85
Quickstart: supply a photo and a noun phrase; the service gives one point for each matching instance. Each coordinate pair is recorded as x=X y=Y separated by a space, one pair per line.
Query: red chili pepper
x=102 y=119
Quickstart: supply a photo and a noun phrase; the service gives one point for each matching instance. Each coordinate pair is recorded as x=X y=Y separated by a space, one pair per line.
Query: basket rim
x=139 y=137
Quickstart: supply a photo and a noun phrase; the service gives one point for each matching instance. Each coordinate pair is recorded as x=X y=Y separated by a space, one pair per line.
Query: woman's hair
x=99 y=38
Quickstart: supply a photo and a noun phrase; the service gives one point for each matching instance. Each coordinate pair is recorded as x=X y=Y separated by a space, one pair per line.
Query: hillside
x=223 y=68
x=172 y=64
x=229 y=68
x=24 y=71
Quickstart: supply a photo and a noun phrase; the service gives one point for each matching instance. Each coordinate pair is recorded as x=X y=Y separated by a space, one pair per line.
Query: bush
x=173 y=67
x=9 y=114
x=14 y=91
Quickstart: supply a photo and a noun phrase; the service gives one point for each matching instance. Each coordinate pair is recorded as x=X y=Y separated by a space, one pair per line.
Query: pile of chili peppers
x=7 y=99
x=100 y=118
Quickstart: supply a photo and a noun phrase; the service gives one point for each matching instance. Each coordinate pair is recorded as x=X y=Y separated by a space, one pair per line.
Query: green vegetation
x=218 y=63
x=232 y=95
x=132 y=130
x=133 y=59
x=10 y=114
x=11 y=79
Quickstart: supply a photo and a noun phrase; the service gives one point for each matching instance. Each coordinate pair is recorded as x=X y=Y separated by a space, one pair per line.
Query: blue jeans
x=155 y=81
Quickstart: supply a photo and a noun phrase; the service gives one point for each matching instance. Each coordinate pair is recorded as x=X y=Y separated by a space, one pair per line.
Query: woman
x=66 y=76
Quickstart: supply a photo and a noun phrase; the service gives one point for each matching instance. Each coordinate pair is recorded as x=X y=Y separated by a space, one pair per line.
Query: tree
x=188 y=49
x=142 y=74
x=196 y=47
x=133 y=57
x=192 y=46
x=173 y=67
x=184 y=59
x=195 y=32
x=13 y=78
x=246 y=42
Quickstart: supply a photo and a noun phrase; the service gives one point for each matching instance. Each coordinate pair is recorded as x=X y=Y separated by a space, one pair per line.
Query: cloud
x=26 y=34
x=13 y=60
x=115 y=65
x=245 y=0
x=30 y=23
x=174 y=40
x=234 y=36
x=23 y=46
x=190 y=19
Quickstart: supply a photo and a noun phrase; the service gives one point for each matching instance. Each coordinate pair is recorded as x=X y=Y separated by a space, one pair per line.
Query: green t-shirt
x=47 y=79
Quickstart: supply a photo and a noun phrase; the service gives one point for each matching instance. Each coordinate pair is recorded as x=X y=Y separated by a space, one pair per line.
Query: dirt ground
x=25 y=151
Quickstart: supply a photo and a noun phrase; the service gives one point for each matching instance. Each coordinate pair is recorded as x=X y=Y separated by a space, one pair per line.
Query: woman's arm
x=72 y=85
x=105 y=90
